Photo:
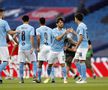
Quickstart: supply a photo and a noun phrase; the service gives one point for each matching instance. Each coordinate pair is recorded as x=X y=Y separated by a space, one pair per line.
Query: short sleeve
x=81 y=31
x=32 y=33
x=37 y=32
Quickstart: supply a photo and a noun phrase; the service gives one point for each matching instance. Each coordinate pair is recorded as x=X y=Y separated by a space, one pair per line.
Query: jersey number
x=23 y=37
x=46 y=38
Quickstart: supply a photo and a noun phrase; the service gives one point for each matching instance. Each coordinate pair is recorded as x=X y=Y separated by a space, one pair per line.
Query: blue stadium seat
x=46 y=3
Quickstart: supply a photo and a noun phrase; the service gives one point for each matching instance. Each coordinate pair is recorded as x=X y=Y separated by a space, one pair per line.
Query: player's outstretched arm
x=15 y=42
x=72 y=31
x=62 y=35
x=13 y=32
x=13 y=50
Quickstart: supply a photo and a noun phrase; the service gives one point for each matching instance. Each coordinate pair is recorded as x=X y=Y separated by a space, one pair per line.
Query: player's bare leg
x=49 y=69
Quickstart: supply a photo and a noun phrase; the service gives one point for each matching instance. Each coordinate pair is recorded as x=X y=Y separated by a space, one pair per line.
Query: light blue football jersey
x=57 y=46
x=4 y=27
x=82 y=30
x=26 y=31
x=45 y=35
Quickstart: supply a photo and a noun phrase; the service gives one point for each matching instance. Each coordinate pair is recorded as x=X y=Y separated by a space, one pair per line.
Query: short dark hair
x=79 y=16
x=25 y=18
x=59 y=19
x=1 y=10
x=42 y=20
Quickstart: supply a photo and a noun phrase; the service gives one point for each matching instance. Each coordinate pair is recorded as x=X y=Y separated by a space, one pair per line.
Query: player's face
x=60 y=24
x=2 y=14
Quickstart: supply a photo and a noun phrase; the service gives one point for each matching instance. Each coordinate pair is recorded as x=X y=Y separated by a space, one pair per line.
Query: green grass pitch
x=97 y=84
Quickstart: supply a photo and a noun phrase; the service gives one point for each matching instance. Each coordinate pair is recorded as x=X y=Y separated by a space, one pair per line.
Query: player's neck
x=1 y=17
x=42 y=24
x=59 y=28
x=78 y=22
x=26 y=22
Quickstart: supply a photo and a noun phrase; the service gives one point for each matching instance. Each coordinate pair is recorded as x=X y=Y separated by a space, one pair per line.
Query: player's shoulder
x=82 y=25
x=54 y=29
x=38 y=29
x=19 y=26
x=63 y=29
x=30 y=26
x=25 y=25
x=3 y=21
x=48 y=28
x=41 y=28
x=44 y=27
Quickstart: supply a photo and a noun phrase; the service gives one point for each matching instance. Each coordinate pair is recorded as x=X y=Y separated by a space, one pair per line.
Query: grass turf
x=97 y=84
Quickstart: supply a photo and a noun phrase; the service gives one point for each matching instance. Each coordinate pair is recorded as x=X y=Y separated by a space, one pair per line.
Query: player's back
x=4 y=27
x=45 y=35
x=82 y=29
x=26 y=31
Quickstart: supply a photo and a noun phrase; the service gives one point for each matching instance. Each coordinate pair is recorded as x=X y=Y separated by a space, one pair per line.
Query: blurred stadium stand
x=45 y=3
x=96 y=18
